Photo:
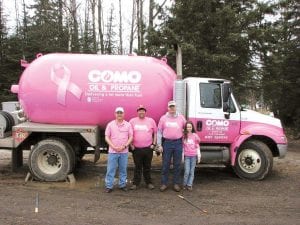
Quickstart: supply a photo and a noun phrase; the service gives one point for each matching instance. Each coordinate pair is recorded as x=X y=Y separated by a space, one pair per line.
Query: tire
x=51 y=159
x=254 y=160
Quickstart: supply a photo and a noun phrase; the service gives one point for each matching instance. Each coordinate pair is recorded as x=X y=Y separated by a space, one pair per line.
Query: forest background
x=255 y=44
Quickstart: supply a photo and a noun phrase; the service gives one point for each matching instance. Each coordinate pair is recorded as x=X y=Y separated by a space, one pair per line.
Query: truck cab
x=244 y=139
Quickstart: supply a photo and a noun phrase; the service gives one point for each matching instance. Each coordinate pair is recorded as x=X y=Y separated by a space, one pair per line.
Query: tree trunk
x=138 y=21
x=2 y=34
x=100 y=21
x=17 y=18
x=142 y=30
x=74 y=35
x=60 y=24
x=93 y=6
x=109 y=41
x=120 y=29
x=151 y=8
x=25 y=30
x=86 y=27
x=132 y=27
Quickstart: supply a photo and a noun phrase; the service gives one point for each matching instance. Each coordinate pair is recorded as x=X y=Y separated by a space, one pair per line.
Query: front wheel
x=254 y=160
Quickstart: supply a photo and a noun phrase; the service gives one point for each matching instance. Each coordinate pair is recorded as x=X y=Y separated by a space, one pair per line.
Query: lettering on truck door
x=210 y=121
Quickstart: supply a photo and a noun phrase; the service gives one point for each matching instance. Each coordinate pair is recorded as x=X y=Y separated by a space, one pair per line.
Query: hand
x=198 y=159
x=160 y=149
x=120 y=148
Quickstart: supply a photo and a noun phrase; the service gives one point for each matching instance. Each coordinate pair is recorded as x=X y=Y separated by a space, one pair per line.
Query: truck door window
x=210 y=95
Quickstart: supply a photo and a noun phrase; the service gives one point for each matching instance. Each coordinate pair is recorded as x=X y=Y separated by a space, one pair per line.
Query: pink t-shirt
x=191 y=144
x=143 y=130
x=118 y=134
x=171 y=127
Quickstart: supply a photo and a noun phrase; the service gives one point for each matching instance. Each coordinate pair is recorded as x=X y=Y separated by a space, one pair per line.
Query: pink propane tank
x=86 y=89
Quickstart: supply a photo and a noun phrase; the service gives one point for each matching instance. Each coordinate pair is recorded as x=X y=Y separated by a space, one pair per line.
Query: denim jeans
x=189 y=169
x=116 y=160
x=172 y=149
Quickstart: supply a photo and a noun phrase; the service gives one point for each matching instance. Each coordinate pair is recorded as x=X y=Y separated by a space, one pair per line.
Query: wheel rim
x=249 y=161
x=49 y=161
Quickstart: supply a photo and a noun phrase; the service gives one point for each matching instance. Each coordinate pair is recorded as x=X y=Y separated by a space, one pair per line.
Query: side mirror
x=226 y=107
x=226 y=92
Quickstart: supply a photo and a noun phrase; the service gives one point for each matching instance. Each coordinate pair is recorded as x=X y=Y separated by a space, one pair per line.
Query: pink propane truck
x=66 y=100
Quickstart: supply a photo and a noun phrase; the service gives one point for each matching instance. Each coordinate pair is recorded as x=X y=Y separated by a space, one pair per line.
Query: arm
x=107 y=137
x=109 y=142
x=159 y=132
x=198 y=154
x=130 y=134
x=154 y=139
x=198 y=148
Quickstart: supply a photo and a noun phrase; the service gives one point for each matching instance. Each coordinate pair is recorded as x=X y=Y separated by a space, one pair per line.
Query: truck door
x=212 y=124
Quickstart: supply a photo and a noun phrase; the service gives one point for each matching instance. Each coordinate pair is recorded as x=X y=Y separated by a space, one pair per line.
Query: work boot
x=150 y=186
x=133 y=187
x=163 y=187
x=176 y=188
x=124 y=189
x=107 y=190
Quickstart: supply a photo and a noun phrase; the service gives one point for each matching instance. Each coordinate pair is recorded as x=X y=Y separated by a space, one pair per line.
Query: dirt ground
x=226 y=198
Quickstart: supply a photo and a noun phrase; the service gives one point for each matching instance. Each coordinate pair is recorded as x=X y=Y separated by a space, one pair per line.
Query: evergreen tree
x=281 y=74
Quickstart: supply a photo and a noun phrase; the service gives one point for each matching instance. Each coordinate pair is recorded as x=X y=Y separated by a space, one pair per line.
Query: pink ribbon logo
x=61 y=76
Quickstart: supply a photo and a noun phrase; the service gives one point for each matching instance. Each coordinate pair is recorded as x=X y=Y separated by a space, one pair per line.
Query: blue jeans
x=189 y=169
x=116 y=160
x=172 y=149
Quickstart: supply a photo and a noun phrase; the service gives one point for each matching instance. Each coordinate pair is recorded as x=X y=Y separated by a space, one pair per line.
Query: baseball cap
x=171 y=103
x=141 y=107
x=119 y=109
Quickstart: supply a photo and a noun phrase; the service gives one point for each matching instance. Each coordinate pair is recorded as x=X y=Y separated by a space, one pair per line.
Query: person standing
x=191 y=150
x=118 y=135
x=144 y=141
x=169 y=140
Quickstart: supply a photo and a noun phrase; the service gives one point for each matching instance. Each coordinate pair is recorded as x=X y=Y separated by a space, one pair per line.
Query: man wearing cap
x=118 y=135
x=169 y=140
x=144 y=141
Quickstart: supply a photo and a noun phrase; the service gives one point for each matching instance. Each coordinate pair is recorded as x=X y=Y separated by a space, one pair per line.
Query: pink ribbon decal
x=61 y=76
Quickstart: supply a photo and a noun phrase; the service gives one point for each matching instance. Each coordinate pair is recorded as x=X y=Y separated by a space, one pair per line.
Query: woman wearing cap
x=169 y=139
x=144 y=141
x=118 y=135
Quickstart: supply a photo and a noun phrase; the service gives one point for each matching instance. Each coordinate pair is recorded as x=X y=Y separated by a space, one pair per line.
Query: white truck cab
x=244 y=139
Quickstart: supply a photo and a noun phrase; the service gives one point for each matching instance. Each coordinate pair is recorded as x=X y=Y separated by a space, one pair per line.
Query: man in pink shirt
x=169 y=140
x=144 y=141
x=118 y=135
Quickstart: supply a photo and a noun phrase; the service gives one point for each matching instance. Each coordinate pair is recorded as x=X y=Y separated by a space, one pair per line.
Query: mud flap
x=97 y=154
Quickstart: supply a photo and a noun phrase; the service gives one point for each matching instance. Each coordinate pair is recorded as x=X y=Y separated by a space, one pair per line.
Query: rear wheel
x=254 y=160
x=51 y=160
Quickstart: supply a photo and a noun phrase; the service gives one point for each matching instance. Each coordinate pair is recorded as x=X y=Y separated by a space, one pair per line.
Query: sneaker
x=108 y=190
x=189 y=188
x=163 y=187
x=150 y=186
x=133 y=187
x=176 y=188
x=184 y=187
x=124 y=189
